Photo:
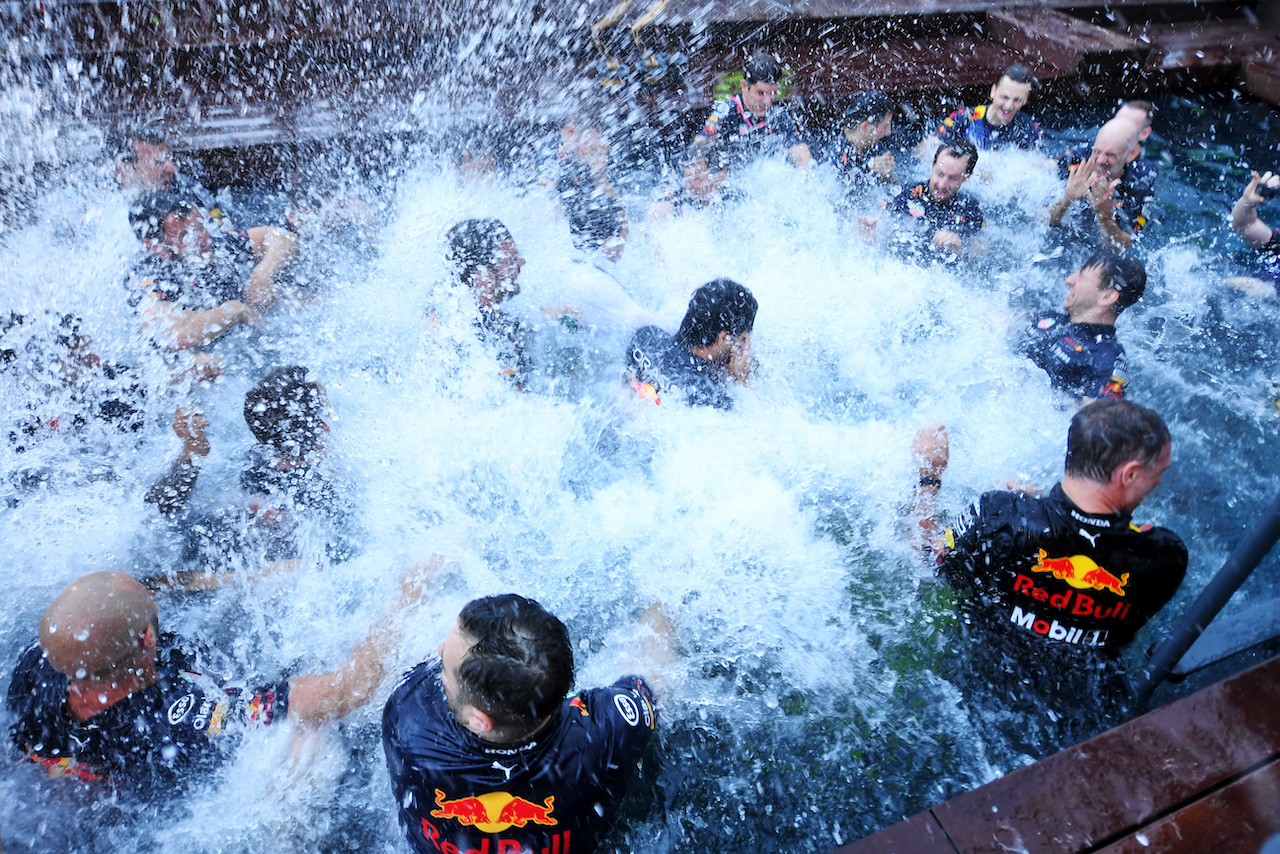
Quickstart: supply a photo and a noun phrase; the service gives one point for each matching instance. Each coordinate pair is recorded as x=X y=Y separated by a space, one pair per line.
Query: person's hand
x=882 y=166
x=1250 y=195
x=562 y=310
x=741 y=360
x=1100 y=193
x=1024 y=487
x=948 y=241
x=931 y=450
x=1081 y=177
x=867 y=229
x=189 y=426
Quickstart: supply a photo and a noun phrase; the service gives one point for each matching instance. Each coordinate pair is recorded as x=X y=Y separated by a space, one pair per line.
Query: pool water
x=809 y=707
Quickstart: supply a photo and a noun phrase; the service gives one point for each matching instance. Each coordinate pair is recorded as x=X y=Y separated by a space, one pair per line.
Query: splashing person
x=486 y=754
x=487 y=263
x=1258 y=235
x=749 y=124
x=285 y=483
x=947 y=215
x=1057 y=586
x=1077 y=347
x=104 y=697
x=710 y=351
x=998 y=124
x=1114 y=180
x=859 y=152
x=189 y=289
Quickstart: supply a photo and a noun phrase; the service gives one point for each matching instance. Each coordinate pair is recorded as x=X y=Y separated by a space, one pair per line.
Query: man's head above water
x=286 y=411
x=484 y=257
x=101 y=628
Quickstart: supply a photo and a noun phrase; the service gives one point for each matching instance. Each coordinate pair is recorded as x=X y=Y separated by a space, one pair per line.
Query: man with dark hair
x=1078 y=348
x=486 y=753
x=859 y=152
x=284 y=479
x=104 y=696
x=711 y=348
x=1001 y=123
x=144 y=164
x=947 y=214
x=702 y=184
x=485 y=259
x=1116 y=181
x=1061 y=582
x=1141 y=114
x=749 y=123
x=198 y=288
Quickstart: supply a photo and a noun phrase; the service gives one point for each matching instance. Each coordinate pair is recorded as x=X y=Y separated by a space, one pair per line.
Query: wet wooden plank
x=1052 y=40
x=920 y=834
x=1114 y=784
x=1262 y=76
x=1238 y=817
x=1205 y=44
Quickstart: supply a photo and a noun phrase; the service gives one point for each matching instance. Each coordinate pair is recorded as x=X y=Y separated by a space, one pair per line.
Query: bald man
x=1113 y=180
x=104 y=696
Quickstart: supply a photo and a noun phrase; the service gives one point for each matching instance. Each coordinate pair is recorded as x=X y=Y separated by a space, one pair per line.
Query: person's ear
x=478 y=722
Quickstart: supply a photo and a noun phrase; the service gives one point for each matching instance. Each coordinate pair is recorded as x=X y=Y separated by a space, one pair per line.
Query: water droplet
x=169 y=752
x=1142 y=840
x=82 y=635
x=81 y=673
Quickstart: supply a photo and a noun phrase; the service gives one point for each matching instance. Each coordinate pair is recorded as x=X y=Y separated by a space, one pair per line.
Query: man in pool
x=711 y=349
x=104 y=696
x=859 y=153
x=1258 y=235
x=1077 y=347
x=486 y=753
x=948 y=215
x=1061 y=582
x=1115 y=181
x=749 y=123
x=192 y=289
x=485 y=260
x=998 y=124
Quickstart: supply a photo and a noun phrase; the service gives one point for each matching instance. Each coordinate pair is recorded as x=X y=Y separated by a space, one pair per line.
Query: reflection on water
x=808 y=710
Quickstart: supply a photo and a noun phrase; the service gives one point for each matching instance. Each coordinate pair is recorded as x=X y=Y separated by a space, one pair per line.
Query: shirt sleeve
x=719 y=110
x=956 y=551
x=954 y=125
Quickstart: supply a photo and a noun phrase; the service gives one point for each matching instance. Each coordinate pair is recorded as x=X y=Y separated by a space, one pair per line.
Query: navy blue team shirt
x=554 y=793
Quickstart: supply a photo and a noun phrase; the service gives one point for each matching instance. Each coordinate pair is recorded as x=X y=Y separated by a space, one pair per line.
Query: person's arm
x=1079 y=181
x=931 y=451
x=1244 y=216
x=321 y=697
x=1113 y=234
x=198 y=580
x=654 y=652
x=182 y=329
x=171 y=493
x=274 y=248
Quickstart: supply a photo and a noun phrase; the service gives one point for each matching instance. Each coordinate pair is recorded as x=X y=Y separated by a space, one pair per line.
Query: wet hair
x=1106 y=434
x=870 y=106
x=762 y=68
x=1146 y=107
x=475 y=243
x=148 y=213
x=120 y=140
x=1127 y=276
x=284 y=410
x=1020 y=73
x=721 y=305
x=521 y=665
x=593 y=223
x=959 y=147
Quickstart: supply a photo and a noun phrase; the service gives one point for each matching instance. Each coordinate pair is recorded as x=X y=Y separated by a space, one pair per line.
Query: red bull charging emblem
x=1081 y=573
x=494 y=812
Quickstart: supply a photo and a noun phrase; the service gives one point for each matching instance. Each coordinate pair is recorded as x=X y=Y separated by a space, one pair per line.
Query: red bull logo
x=1081 y=573
x=581 y=705
x=494 y=812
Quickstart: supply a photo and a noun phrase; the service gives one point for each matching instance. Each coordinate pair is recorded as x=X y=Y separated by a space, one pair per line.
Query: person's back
x=486 y=753
x=665 y=368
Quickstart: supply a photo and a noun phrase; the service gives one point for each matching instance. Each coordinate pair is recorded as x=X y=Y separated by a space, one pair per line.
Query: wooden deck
x=1199 y=775
x=280 y=70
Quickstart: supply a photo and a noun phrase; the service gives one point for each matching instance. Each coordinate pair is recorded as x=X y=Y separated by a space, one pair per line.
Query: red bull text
x=559 y=843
